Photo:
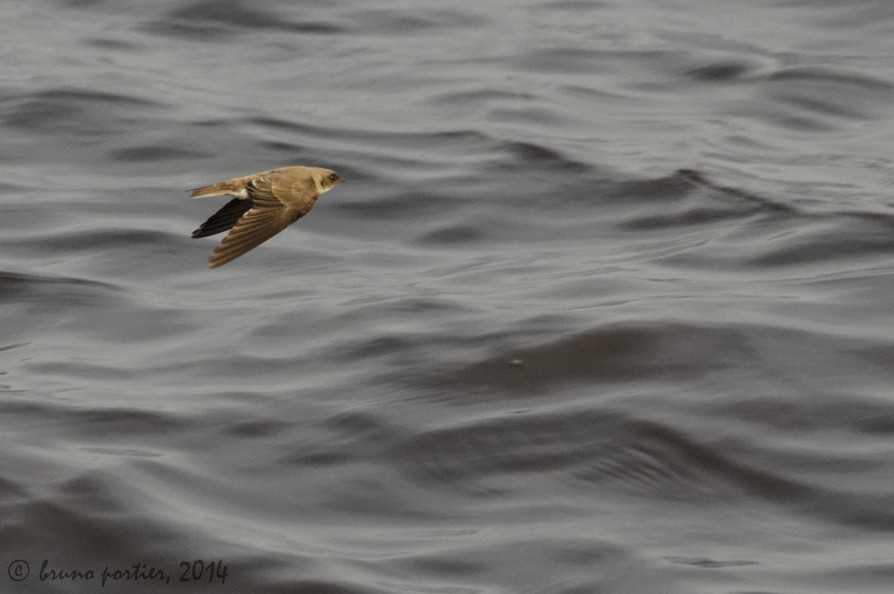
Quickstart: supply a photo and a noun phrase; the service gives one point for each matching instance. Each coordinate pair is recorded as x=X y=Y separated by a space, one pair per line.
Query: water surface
x=604 y=305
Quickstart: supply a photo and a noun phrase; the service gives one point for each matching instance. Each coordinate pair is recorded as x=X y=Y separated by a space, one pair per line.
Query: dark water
x=604 y=306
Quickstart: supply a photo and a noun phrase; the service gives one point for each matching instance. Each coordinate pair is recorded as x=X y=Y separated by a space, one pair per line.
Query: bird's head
x=324 y=179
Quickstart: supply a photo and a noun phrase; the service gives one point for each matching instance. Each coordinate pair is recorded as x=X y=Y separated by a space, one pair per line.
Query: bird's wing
x=225 y=218
x=266 y=217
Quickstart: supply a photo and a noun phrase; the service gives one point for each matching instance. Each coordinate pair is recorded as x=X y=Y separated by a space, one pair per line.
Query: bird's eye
x=333 y=177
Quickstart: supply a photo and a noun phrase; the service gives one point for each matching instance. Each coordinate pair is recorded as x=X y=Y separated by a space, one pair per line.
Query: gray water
x=605 y=304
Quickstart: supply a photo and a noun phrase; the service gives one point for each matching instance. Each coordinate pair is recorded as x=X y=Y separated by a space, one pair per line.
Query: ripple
x=54 y=289
x=722 y=71
x=214 y=18
x=153 y=153
x=588 y=450
x=822 y=100
x=83 y=111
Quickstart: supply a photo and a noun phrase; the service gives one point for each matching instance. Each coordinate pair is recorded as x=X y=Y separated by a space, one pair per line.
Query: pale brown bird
x=263 y=204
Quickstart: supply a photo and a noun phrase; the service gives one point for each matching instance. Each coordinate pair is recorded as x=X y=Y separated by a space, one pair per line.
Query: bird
x=263 y=204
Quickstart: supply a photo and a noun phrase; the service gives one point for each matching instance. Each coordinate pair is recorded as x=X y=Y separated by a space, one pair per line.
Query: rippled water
x=605 y=304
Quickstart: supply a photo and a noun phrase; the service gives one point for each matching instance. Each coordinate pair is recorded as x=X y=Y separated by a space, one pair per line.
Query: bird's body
x=263 y=204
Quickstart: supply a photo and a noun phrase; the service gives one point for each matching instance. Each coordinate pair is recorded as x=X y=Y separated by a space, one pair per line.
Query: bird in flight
x=263 y=204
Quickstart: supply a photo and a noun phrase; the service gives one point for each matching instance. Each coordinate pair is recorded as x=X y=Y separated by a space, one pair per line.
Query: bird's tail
x=234 y=187
x=212 y=190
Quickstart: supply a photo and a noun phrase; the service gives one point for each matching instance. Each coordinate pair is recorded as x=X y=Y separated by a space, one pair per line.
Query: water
x=604 y=305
